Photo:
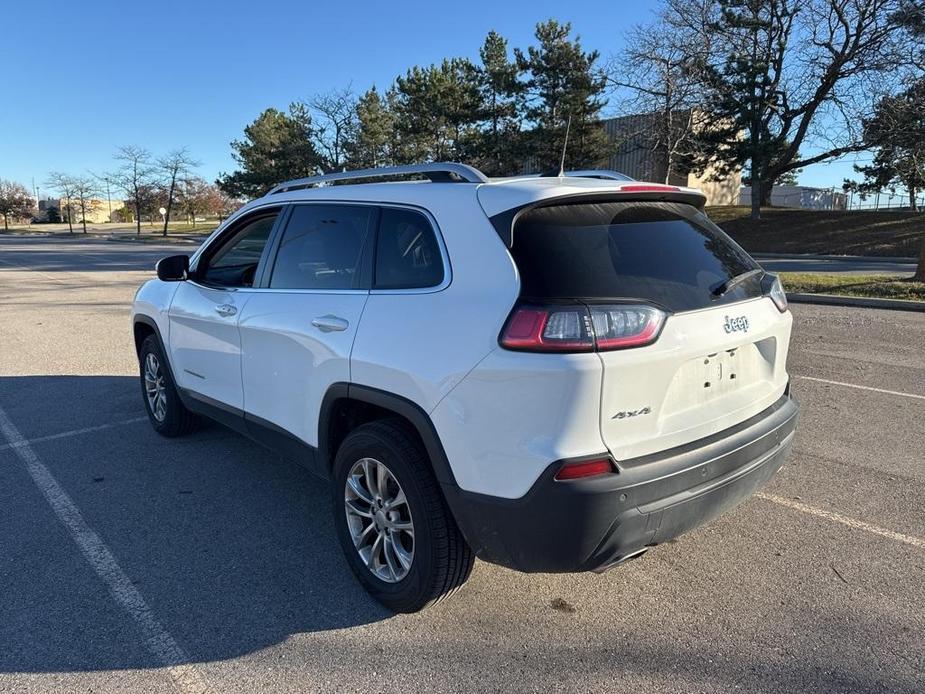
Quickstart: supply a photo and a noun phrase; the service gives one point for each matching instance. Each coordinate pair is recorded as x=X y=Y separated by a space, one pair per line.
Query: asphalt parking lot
x=133 y=563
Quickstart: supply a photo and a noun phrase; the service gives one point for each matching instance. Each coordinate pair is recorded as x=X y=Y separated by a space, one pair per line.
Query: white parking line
x=855 y=385
x=73 y=432
x=844 y=520
x=157 y=639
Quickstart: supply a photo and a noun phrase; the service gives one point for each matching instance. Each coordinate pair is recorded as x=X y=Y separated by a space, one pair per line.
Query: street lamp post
x=108 y=198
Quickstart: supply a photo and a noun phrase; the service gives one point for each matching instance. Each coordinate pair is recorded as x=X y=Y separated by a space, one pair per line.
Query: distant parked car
x=551 y=373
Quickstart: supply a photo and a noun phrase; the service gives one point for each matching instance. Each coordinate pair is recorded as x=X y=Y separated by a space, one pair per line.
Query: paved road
x=851 y=266
x=129 y=562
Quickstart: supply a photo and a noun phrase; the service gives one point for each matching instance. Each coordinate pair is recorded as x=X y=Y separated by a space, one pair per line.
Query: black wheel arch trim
x=185 y=395
x=408 y=409
x=151 y=323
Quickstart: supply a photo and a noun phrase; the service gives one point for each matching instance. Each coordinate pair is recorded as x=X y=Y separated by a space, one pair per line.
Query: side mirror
x=173 y=268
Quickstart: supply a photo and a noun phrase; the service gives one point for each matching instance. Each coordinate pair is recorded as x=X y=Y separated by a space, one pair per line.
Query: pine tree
x=370 y=144
x=563 y=81
x=435 y=111
x=896 y=133
x=276 y=147
x=498 y=150
x=911 y=17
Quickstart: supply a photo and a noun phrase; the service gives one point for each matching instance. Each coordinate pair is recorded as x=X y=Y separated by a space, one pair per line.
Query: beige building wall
x=97 y=210
x=635 y=157
x=722 y=192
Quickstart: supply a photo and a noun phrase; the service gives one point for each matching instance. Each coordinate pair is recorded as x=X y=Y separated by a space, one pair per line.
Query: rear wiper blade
x=724 y=287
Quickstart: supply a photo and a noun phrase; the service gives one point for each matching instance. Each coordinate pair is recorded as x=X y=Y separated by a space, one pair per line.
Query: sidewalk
x=857 y=302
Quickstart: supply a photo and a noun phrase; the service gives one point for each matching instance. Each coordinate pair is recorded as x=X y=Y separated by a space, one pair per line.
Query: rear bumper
x=585 y=525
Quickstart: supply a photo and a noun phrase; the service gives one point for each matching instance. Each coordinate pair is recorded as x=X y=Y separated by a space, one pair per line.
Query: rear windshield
x=668 y=254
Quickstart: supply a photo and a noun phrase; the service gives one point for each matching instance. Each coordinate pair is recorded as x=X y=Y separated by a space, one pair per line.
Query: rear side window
x=321 y=247
x=407 y=253
x=668 y=254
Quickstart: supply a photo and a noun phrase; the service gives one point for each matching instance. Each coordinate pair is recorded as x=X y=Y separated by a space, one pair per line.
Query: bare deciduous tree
x=176 y=165
x=334 y=115
x=15 y=201
x=65 y=185
x=134 y=177
x=85 y=190
x=787 y=76
x=659 y=77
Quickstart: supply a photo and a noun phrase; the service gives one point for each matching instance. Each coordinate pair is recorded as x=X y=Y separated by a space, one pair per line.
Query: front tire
x=392 y=521
x=166 y=412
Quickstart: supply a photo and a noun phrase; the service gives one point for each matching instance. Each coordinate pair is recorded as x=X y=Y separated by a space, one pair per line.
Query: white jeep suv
x=550 y=373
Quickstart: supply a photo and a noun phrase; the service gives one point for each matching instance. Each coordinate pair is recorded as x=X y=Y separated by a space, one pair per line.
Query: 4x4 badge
x=626 y=414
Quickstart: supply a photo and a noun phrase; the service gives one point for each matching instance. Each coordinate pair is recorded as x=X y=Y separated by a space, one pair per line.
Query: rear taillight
x=585 y=468
x=619 y=327
x=775 y=290
x=549 y=329
x=581 y=328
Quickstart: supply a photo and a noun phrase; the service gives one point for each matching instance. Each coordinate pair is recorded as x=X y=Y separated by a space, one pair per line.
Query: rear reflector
x=581 y=328
x=586 y=468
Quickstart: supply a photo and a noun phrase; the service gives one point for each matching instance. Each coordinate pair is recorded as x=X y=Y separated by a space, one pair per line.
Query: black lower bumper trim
x=584 y=525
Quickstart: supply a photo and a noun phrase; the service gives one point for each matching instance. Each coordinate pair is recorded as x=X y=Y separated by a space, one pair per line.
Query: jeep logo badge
x=736 y=324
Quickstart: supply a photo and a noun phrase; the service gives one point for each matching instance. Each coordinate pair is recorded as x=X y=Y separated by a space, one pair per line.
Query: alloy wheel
x=379 y=520
x=155 y=389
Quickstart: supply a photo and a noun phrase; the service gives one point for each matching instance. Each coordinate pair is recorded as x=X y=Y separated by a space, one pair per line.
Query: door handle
x=329 y=323
x=225 y=310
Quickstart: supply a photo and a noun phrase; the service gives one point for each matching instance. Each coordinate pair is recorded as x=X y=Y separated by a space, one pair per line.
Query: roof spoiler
x=503 y=222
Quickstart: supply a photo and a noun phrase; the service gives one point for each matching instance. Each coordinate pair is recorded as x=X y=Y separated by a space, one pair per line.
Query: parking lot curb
x=180 y=240
x=857 y=302
x=846 y=258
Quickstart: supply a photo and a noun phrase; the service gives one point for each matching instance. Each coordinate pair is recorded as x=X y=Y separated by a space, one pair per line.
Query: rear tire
x=407 y=570
x=166 y=412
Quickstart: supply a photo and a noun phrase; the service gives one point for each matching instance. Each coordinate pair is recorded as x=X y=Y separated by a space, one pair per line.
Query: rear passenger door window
x=322 y=248
x=407 y=253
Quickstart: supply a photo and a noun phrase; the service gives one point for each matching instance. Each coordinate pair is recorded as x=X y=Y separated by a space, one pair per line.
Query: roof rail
x=590 y=173
x=438 y=172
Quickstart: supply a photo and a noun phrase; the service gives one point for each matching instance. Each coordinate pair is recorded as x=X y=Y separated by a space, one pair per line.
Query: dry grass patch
x=874 y=286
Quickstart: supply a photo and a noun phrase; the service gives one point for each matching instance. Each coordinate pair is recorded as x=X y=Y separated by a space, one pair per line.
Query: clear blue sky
x=170 y=74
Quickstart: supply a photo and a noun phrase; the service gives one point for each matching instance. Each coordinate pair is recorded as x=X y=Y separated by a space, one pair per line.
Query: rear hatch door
x=720 y=357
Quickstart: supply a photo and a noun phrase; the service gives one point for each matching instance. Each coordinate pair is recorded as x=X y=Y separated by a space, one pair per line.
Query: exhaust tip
x=622 y=560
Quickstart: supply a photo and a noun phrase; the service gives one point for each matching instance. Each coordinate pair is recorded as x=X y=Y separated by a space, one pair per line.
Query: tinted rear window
x=407 y=254
x=668 y=254
x=321 y=247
